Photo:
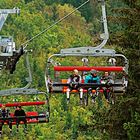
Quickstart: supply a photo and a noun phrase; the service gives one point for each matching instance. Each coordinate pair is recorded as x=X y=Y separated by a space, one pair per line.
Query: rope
x=25 y=43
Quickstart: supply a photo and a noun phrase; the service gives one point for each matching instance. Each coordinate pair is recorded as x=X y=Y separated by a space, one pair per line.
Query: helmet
x=93 y=71
x=75 y=71
x=112 y=61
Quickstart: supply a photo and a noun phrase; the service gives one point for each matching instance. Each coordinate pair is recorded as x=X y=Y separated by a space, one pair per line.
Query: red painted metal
x=24 y=104
x=34 y=120
x=85 y=68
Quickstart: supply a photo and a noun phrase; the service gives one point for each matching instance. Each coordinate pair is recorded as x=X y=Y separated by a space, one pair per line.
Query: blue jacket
x=91 y=79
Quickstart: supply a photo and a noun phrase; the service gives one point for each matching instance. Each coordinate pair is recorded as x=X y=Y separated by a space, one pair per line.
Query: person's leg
x=17 y=123
x=81 y=95
x=68 y=95
x=25 y=124
x=93 y=98
x=95 y=94
x=90 y=91
x=10 y=126
x=107 y=94
x=1 y=125
x=91 y=95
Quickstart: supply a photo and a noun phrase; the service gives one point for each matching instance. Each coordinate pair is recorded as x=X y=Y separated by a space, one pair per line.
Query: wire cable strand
x=66 y=16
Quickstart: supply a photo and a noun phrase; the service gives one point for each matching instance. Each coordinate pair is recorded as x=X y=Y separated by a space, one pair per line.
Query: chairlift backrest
x=7 y=46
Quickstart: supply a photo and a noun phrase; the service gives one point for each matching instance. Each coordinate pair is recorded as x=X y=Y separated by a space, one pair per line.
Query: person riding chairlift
x=4 y=113
x=19 y=112
x=92 y=78
x=107 y=79
x=74 y=81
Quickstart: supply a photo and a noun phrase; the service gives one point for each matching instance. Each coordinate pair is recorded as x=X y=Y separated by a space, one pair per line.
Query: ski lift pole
x=29 y=79
x=105 y=35
x=104 y=19
x=66 y=16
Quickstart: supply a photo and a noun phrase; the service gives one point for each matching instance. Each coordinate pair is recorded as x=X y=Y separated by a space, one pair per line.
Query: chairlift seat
x=76 y=91
x=31 y=116
x=35 y=119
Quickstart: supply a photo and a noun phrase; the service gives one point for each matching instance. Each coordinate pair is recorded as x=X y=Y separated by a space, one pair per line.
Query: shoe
x=25 y=131
x=113 y=102
x=0 y=135
x=81 y=102
x=10 y=132
x=107 y=100
x=93 y=100
x=90 y=92
x=68 y=101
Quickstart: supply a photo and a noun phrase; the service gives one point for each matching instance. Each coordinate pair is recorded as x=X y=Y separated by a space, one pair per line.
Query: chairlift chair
x=55 y=85
x=9 y=55
x=36 y=116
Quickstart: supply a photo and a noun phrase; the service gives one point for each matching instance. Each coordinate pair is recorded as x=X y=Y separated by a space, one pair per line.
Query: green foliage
x=133 y=127
x=95 y=122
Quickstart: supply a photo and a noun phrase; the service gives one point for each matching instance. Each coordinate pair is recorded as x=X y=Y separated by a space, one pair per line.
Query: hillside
x=94 y=122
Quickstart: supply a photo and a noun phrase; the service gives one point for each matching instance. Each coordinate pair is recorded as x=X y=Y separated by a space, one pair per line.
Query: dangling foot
x=25 y=130
x=10 y=132
x=17 y=130
x=0 y=134
x=93 y=100
x=107 y=100
x=81 y=101
x=113 y=102
x=90 y=92
x=68 y=101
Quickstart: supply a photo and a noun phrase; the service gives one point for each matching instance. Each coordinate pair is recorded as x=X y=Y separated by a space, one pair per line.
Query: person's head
x=18 y=107
x=3 y=107
x=106 y=74
x=112 y=61
x=93 y=72
x=75 y=72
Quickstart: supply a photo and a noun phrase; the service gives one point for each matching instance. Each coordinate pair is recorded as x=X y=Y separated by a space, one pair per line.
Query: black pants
x=106 y=93
x=8 y=122
x=93 y=96
x=22 y=119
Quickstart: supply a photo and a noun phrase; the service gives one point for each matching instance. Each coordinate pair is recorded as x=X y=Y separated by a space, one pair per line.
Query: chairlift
x=9 y=55
x=54 y=83
x=36 y=111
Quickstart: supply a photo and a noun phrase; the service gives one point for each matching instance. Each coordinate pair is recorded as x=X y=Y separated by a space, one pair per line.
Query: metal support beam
x=29 y=79
x=4 y=13
x=90 y=51
x=94 y=50
x=18 y=91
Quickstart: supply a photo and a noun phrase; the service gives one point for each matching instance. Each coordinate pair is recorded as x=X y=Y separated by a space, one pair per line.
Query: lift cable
x=66 y=16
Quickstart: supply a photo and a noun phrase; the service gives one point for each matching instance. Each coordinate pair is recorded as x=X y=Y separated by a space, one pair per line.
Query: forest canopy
x=82 y=28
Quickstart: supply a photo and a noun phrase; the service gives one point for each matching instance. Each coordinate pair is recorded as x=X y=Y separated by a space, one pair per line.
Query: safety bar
x=24 y=103
x=85 y=68
x=22 y=117
x=88 y=85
